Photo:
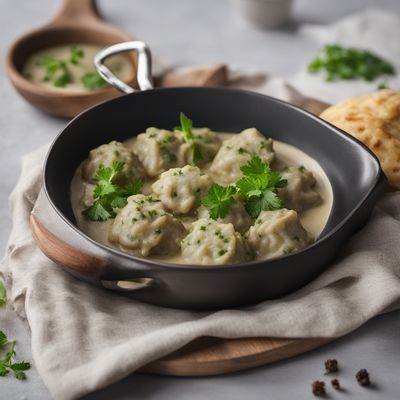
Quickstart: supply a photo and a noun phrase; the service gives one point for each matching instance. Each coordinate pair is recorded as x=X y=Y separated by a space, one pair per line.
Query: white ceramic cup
x=268 y=14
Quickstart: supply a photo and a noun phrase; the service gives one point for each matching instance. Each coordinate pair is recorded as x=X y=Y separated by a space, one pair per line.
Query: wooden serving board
x=206 y=356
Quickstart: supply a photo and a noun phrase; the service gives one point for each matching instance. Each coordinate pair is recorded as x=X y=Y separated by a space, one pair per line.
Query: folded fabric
x=84 y=338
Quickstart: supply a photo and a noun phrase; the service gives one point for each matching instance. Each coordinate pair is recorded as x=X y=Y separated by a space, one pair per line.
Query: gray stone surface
x=183 y=33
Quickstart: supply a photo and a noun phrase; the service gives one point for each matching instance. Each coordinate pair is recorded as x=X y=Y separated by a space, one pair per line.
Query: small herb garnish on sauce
x=219 y=200
x=7 y=363
x=56 y=70
x=349 y=63
x=108 y=195
x=92 y=81
x=188 y=137
x=76 y=55
x=259 y=186
x=3 y=294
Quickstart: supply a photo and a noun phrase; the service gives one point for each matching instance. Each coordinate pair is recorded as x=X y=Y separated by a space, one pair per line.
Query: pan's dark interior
x=351 y=168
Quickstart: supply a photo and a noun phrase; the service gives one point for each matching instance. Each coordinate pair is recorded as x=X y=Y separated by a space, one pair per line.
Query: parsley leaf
x=7 y=364
x=92 y=81
x=107 y=195
x=259 y=187
x=76 y=55
x=3 y=339
x=219 y=200
x=56 y=70
x=3 y=296
x=19 y=368
x=188 y=137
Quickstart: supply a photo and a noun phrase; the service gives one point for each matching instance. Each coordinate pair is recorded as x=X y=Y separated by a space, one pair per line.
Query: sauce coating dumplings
x=237 y=216
x=213 y=243
x=181 y=189
x=105 y=155
x=158 y=150
x=300 y=193
x=276 y=233
x=236 y=151
x=144 y=227
x=181 y=196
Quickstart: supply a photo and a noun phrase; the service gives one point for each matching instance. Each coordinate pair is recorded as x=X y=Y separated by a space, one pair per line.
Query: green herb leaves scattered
x=349 y=63
x=56 y=70
x=259 y=187
x=76 y=55
x=92 y=81
x=59 y=71
x=108 y=195
x=188 y=137
x=219 y=200
x=3 y=294
x=7 y=363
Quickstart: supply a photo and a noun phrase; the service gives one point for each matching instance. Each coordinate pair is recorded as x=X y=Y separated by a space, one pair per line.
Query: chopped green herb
x=7 y=363
x=3 y=295
x=107 y=195
x=259 y=186
x=76 y=55
x=219 y=200
x=221 y=252
x=188 y=137
x=92 y=81
x=349 y=63
x=158 y=231
x=302 y=168
x=56 y=70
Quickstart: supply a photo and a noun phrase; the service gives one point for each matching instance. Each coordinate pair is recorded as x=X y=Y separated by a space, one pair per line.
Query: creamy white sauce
x=118 y=64
x=313 y=219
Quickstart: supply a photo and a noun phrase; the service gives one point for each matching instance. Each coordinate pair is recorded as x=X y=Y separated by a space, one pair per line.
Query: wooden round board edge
x=209 y=356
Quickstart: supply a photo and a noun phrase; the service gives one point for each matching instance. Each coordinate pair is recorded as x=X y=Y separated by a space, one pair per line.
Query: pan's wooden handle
x=76 y=11
x=64 y=254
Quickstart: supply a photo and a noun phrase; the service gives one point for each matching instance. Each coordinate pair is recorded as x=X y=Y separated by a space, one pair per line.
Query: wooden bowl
x=77 y=21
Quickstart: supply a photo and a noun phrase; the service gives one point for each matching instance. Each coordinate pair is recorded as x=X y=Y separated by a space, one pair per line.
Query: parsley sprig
x=76 y=55
x=108 y=195
x=349 y=63
x=188 y=137
x=7 y=363
x=3 y=294
x=259 y=186
x=92 y=81
x=219 y=200
x=56 y=70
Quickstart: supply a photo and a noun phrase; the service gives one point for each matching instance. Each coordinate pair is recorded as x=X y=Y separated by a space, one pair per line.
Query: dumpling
x=159 y=150
x=105 y=155
x=180 y=189
x=300 y=193
x=237 y=216
x=207 y=142
x=214 y=243
x=144 y=227
x=236 y=151
x=276 y=233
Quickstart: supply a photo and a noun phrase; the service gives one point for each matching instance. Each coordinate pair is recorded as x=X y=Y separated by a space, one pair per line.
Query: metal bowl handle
x=144 y=78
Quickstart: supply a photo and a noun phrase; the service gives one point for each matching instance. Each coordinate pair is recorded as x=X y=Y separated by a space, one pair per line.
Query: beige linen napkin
x=85 y=338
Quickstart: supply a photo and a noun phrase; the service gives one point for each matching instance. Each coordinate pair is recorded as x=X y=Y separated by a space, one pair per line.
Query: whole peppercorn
x=331 y=365
x=362 y=377
x=318 y=388
x=335 y=384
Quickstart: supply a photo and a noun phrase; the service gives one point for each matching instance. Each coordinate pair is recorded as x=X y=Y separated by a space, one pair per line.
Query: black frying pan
x=354 y=173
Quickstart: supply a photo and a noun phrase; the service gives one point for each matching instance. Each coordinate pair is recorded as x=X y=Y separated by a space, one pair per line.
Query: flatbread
x=375 y=120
